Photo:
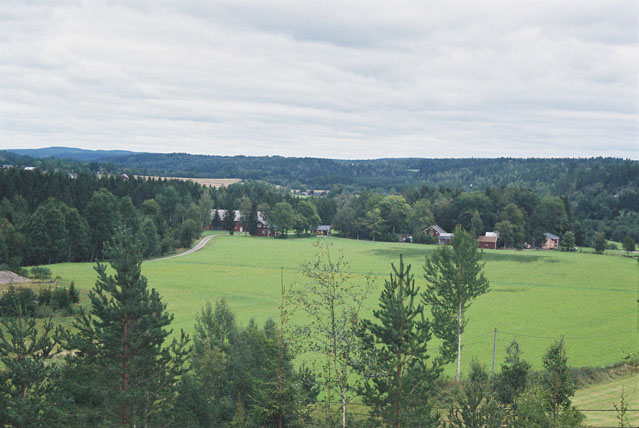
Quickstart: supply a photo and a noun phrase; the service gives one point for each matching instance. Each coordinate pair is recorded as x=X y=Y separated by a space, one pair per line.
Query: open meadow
x=600 y=396
x=535 y=297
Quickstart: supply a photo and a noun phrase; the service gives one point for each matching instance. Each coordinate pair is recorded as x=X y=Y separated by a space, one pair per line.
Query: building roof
x=221 y=213
x=495 y=234
x=489 y=239
x=324 y=227
x=436 y=228
x=551 y=236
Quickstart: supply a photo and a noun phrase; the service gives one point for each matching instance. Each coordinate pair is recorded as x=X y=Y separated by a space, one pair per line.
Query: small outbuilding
x=445 y=238
x=552 y=242
x=488 y=242
x=323 y=229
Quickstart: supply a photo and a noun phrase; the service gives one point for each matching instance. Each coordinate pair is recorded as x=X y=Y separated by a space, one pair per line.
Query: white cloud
x=329 y=79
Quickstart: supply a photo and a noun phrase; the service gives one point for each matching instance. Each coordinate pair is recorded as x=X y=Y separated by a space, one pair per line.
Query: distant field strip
x=211 y=182
x=536 y=297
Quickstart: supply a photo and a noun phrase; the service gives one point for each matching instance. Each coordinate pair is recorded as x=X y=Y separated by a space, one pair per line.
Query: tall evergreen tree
x=474 y=405
x=511 y=381
x=121 y=361
x=103 y=216
x=455 y=278
x=228 y=221
x=27 y=391
x=401 y=382
x=47 y=233
x=557 y=382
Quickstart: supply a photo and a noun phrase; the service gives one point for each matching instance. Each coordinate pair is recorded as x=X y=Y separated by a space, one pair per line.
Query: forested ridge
x=554 y=176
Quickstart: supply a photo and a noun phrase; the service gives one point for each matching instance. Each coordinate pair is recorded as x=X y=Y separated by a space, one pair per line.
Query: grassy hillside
x=536 y=296
x=593 y=399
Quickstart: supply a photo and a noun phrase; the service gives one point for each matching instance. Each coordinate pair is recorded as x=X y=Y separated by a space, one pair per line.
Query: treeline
x=601 y=194
x=520 y=215
x=52 y=217
x=552 y=176
x=120 y=369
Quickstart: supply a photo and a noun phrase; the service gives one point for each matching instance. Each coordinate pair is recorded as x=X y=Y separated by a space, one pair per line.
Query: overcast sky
x=339 y=79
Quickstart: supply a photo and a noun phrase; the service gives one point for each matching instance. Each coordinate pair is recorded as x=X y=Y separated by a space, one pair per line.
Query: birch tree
x=333 y=300
x=455 y=278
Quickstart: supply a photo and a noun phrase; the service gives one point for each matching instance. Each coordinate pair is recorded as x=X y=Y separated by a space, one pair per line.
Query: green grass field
x=536 y=296
x=593 y=399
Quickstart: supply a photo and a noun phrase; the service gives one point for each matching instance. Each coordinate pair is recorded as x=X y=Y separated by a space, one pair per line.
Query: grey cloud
x=333 y=79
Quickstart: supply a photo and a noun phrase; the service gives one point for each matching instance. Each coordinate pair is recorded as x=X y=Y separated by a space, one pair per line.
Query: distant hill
x=70 y=153
x=555 y=176
x=548 y=176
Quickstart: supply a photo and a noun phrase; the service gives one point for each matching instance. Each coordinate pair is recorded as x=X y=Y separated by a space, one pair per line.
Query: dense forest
x=50 y=217
x=53 y=217
x=599 y=194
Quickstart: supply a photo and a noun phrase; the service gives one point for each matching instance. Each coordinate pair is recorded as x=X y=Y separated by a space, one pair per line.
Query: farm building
x=434 y=230
x=552 y=242
x=262 y=227
x=445 y=238
x=323 y=229
x=488 y=242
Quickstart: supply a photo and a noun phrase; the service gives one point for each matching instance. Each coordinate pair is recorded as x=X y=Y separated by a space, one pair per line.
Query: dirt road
x=197 y=247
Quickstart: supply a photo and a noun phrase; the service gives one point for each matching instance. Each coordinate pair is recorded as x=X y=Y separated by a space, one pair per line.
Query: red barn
x=488 y=242
x=434 y=230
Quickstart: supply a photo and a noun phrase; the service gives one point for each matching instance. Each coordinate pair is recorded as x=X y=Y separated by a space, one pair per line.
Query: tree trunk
x=125 y=371
x=343 y=410
x=459 y=320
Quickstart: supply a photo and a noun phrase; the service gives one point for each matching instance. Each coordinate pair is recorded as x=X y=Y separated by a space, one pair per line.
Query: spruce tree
x=26 y=388
x=121 y=369
x=401 y=381
x=228 y=222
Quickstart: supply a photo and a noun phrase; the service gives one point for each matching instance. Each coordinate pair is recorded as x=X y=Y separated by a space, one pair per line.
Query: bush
x=60 y=298
x=628 y=244
x=18 y=301
x=44 y=311
x=44 y=296
x=74 y=294
x=40 y=273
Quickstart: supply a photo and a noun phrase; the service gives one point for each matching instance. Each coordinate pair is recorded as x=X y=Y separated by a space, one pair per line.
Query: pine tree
x=26 y=387
x=511 y=382
x=455 y=278
x=401 y=381
x=121 y=368
x=556 y=381
x=474 y=406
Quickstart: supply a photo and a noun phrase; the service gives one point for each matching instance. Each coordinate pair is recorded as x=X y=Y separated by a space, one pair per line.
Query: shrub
x=60 y=298
x=18 y=301
x=44 y=296
x=74 y=294
x=38 y=272
x=44 y=311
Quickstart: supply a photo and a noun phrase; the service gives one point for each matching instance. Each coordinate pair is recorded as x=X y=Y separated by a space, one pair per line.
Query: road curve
x=197 y=247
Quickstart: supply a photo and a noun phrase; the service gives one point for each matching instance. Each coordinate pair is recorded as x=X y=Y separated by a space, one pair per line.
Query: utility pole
x=494 y=352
